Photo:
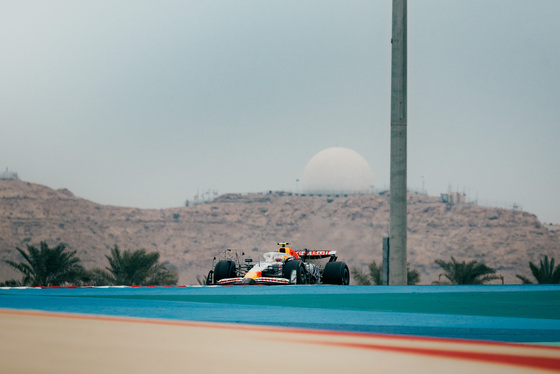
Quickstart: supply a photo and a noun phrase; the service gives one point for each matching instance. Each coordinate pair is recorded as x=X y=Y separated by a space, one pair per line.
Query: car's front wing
x=261 y=280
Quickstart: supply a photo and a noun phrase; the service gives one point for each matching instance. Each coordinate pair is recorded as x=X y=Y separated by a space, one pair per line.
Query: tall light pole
x=398 y=225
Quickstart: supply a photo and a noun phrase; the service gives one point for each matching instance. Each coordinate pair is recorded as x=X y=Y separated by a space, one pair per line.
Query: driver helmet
x=289 y=251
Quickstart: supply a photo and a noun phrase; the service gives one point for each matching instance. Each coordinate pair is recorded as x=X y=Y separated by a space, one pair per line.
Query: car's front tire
x=224 y=269
x=300 y=273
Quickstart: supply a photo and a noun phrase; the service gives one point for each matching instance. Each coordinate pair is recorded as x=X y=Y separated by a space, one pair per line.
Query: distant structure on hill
x=337 y=170
x=456 y=198
x=451 y=198
x=202 y=198
x=8 y=175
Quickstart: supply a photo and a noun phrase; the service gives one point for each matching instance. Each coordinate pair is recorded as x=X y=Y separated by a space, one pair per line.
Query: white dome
x=337 y=171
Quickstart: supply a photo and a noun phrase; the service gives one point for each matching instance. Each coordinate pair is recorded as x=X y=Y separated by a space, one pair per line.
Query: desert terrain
x=189 y=237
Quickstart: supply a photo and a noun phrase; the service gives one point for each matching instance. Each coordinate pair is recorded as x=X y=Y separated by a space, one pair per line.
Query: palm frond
x=412 y=276
x=471 y=272
x=360 y=278
x=137 y=268
x=46 y=266
x=523 y=279
x=546 y=272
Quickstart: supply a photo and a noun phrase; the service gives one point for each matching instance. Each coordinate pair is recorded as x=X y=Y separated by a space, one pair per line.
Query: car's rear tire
x=336 y=273
x=224 y=269
x=299 y=268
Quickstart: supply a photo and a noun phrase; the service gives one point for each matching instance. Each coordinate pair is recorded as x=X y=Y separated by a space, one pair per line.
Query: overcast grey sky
x=144 y=103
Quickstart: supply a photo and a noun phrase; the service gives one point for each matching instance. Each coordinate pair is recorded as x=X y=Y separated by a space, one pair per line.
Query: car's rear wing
x=315 y=255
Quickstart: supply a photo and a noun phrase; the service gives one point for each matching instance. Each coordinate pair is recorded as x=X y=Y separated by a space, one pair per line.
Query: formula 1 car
x=286 y=266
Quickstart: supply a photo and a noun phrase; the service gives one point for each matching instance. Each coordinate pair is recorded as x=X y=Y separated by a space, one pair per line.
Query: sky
x=147 y=103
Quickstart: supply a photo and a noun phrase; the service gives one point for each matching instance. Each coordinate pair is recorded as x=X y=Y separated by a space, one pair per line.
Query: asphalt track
x=332 y=328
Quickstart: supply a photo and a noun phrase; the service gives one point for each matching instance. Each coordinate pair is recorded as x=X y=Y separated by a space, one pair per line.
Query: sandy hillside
x=189 y=237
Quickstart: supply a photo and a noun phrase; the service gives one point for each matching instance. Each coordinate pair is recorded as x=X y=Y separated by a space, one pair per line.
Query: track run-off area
x=432 y=329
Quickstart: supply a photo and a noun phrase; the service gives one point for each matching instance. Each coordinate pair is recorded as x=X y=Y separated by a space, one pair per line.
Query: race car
x=285 y=266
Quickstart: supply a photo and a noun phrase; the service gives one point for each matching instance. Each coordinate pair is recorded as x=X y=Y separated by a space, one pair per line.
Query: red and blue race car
x=285 y=266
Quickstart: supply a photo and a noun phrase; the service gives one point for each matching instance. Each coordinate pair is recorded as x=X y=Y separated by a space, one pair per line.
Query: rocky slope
x=188 y=237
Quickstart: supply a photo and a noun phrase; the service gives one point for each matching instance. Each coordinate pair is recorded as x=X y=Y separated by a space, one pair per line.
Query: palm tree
x=412 y=276
x=96 y=277
x=466 y=273
x=202 y=280
x=546 y=273
x=374 y=276
x=46 y=266
x=138 y=268
x=360 y=278
x=11 y=283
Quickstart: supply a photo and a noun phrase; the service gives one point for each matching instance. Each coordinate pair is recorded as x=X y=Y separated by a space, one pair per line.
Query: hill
x=188 y=237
